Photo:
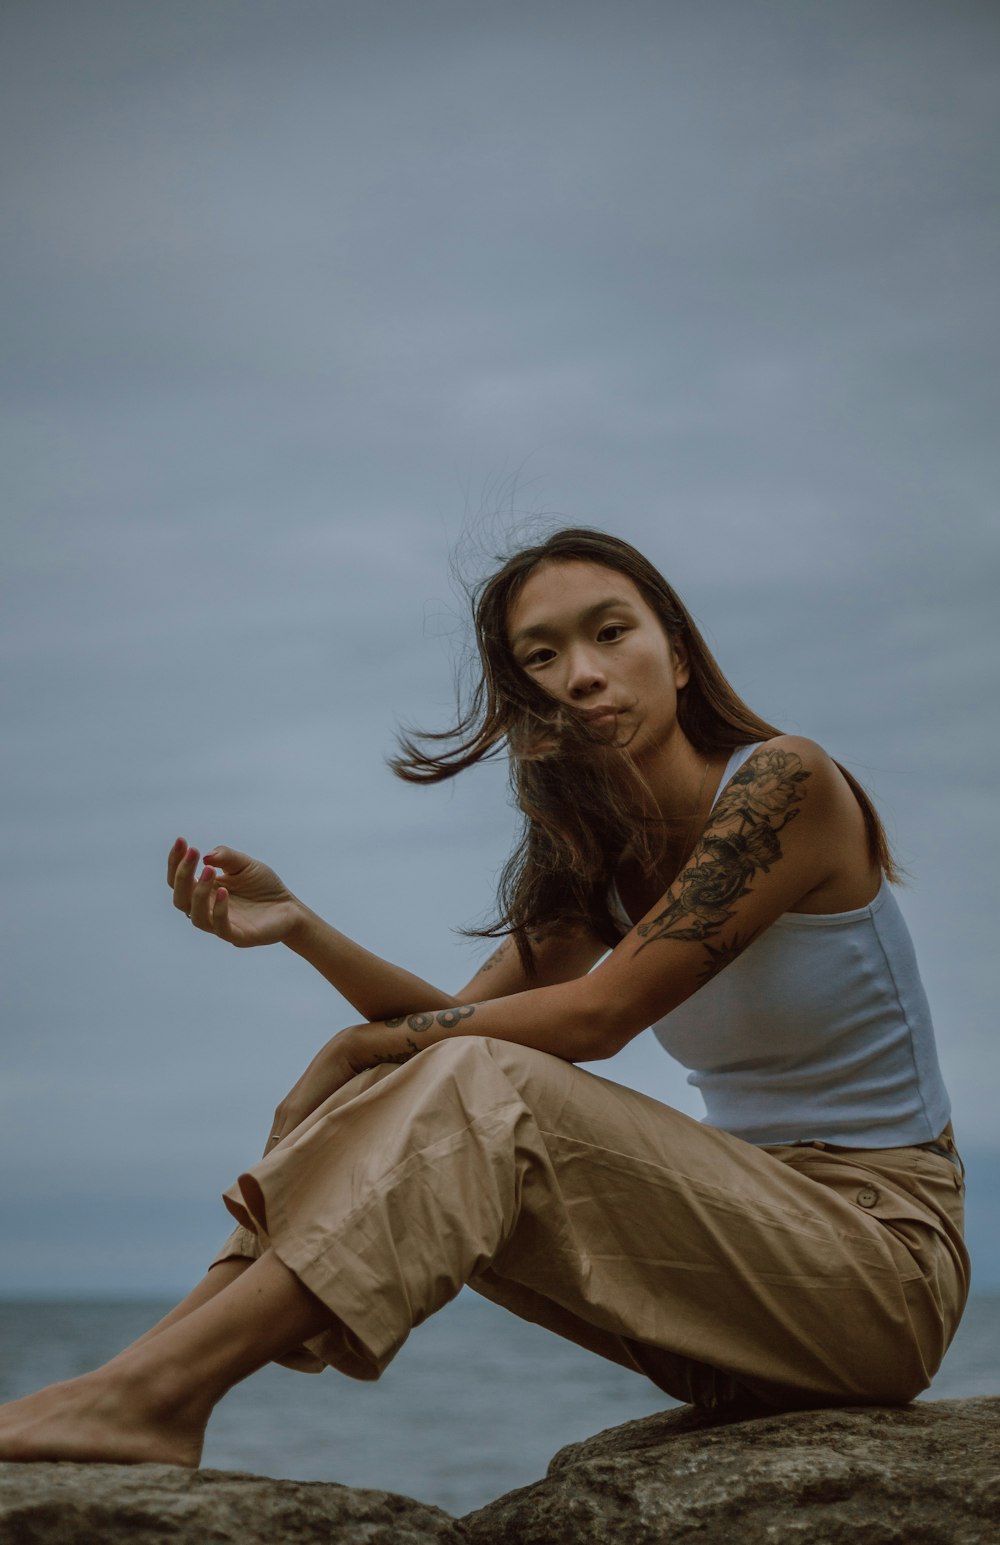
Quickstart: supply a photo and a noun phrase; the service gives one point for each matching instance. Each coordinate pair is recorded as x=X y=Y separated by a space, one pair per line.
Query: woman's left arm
x=774 y=835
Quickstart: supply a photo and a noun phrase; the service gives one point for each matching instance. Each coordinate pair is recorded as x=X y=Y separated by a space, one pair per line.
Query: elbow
x=611 y=1020
x=611 y=1042
x=608 y=1026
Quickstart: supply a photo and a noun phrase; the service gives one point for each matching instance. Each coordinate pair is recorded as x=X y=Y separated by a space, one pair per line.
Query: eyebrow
x=546 y=629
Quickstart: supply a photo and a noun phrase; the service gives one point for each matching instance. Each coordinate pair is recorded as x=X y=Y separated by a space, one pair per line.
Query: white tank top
x=820 y=1030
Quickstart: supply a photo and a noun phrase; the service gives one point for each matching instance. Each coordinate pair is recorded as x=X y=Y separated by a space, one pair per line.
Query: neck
x=680 y=778
x=682 y=782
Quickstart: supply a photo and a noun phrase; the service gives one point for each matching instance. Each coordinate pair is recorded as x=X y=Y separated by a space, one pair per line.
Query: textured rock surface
x=926 y=1474
x=154 y=1504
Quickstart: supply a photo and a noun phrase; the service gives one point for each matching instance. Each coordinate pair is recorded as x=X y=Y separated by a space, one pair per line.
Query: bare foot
x=98 y=1420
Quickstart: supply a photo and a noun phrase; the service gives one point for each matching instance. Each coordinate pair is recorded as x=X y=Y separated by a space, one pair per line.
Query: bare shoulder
x=778 y=779
x=791 y=778
x=797 y=751
x=790 y=755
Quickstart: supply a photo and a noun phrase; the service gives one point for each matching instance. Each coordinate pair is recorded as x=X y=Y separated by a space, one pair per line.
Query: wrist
x=302 y=931
x=378 y=1043
x=352 y=1048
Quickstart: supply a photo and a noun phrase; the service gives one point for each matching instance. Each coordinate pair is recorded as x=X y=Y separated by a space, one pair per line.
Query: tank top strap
x=615 y=904
x=739 y=756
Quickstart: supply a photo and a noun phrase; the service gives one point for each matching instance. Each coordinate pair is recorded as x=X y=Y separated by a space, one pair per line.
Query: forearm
x=567 y=1020
x=571 y=1020
x=377 y=989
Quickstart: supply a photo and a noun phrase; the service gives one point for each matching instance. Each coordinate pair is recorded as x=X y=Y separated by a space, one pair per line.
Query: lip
x=593 y=715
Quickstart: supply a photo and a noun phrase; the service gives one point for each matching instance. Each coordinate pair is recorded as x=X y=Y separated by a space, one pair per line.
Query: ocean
x=476 y=1403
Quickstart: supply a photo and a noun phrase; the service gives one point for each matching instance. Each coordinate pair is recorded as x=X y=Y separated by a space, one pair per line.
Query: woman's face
x=585 y=634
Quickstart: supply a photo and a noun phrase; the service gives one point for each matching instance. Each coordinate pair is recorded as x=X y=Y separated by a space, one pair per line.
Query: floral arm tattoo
x=448 y=1019
x=757 y=804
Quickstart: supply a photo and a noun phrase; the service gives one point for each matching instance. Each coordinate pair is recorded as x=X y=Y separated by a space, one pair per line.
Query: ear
x=682 y=663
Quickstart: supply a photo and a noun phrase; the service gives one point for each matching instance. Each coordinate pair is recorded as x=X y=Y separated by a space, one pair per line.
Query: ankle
x=158 y=1391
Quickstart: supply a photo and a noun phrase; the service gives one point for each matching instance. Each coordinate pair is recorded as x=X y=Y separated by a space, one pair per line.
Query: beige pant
x=803 y=1275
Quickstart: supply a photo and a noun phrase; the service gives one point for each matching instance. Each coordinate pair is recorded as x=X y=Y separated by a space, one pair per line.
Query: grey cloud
x=290 y=293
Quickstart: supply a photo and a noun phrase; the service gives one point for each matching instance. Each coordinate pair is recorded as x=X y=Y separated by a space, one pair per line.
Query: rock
x=68 y=1504
x=925 y=1474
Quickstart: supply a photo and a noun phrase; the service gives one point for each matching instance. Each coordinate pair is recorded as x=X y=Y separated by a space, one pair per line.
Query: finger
x=174 y=857
x=184 y=880
x=220 y=914
x=201 y=899
x=227 y=859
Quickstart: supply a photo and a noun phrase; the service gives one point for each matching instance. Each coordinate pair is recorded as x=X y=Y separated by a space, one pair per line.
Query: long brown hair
x=582 y=814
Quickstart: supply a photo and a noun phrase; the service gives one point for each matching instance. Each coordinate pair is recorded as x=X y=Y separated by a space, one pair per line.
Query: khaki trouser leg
x=616 y=1221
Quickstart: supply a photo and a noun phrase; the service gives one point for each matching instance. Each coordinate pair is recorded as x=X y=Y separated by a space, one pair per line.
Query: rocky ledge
x=926 y=1474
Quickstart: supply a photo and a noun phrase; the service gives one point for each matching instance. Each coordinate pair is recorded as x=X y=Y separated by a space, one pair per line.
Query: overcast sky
x=297 y=297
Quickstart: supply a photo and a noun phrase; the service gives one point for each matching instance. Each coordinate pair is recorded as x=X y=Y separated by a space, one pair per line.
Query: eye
x=617 y=628
x=538 y=657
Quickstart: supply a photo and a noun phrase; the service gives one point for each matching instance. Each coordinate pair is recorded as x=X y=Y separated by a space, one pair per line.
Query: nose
x=584 y=675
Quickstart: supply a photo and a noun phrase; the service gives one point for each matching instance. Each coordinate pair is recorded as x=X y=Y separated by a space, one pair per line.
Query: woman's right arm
x=241 y=900
x=364 y=979
x=371 y=983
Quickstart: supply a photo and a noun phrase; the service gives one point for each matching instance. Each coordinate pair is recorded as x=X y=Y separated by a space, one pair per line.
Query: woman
x=802 y=1248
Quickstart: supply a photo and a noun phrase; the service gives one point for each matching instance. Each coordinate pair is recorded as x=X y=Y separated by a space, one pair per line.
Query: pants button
x=867 y=1196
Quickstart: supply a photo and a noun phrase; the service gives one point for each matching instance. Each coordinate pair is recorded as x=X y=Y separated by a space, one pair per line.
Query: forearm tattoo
x=742 y=838
x=377 y=1059
x=447 y=1019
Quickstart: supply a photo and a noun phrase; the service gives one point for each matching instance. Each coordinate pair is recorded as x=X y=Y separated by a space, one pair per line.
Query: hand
x=244 y=903
x=335 y=1065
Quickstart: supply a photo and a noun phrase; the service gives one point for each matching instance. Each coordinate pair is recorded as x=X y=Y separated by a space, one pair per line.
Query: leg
x=152 y=1402
x=212 y=1283
x=721 y=1270
x=650 y=1237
